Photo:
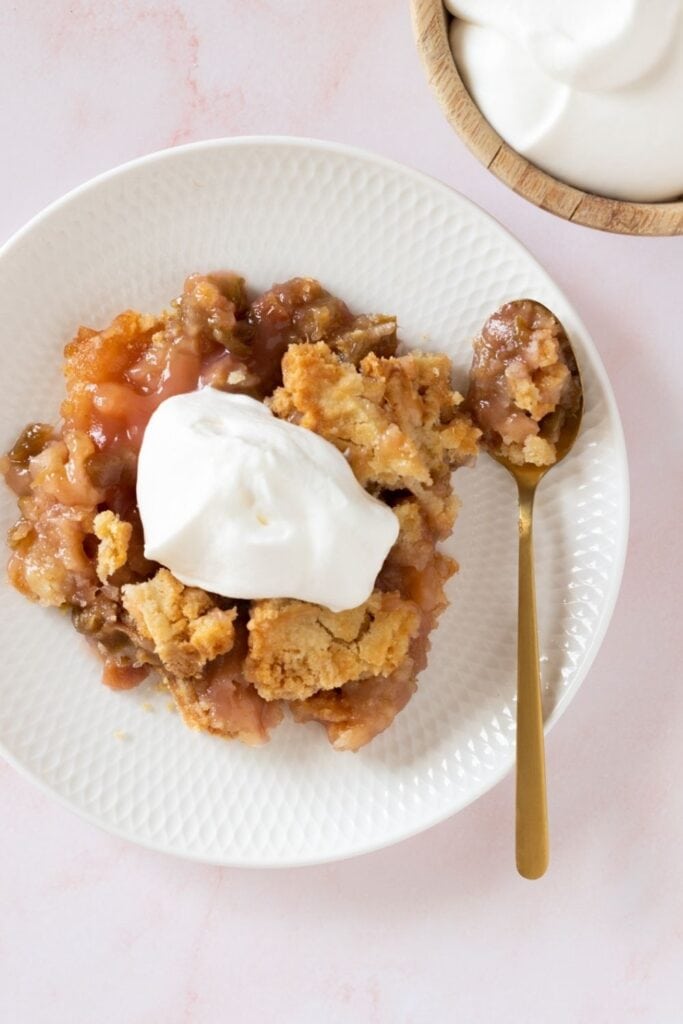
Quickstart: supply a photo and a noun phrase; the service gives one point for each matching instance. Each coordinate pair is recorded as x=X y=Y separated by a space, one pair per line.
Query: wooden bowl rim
x=614 y=215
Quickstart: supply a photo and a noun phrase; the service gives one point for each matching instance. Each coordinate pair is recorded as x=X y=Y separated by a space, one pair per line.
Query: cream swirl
x=590 y=91
x=246 y=505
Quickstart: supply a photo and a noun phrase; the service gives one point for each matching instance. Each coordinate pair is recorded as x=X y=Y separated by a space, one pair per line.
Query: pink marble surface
x=439 y=928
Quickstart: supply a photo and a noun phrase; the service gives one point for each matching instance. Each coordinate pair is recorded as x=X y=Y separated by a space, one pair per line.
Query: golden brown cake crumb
x=114 y=536
x=536 y=451
x=395 y=419
x=296 y=648
x=186 y=627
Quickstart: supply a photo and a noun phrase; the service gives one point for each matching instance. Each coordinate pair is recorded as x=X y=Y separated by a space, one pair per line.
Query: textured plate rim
x=620 y=456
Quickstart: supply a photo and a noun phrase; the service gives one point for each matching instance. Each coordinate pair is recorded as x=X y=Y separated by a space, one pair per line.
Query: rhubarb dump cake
x=279 y=569
x=523 y=383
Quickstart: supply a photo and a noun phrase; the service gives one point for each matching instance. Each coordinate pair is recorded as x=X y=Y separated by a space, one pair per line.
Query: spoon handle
x=531 y=807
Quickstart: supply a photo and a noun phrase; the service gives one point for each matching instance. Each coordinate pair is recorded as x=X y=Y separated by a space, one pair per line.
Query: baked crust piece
x=114 y=536
x=186 y=627
x=396 y=419
x=297 y=648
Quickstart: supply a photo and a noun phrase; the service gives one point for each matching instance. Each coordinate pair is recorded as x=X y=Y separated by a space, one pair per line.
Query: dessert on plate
x=247 y=496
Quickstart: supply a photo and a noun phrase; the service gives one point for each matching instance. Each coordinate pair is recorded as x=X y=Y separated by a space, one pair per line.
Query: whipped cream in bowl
x=245 y=505
x=590 y=92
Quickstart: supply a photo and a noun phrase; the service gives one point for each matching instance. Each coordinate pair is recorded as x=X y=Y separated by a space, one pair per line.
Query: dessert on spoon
x=526 y=396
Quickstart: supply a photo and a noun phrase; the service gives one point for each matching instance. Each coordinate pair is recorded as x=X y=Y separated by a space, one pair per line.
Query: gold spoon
x=531 y=819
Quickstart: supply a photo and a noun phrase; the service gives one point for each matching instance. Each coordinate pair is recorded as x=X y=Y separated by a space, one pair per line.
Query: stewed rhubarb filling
x=522 y=383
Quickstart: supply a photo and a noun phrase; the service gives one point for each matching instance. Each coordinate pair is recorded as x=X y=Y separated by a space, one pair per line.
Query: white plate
x=384 y=238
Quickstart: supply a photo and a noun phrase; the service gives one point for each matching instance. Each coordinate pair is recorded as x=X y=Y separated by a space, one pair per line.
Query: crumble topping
x=536 y=451
x=114 y=536
x=185 y=626
x=296 y=648
x=394 y=418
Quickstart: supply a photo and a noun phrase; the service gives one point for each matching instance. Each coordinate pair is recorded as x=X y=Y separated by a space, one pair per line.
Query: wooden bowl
x=430 y=24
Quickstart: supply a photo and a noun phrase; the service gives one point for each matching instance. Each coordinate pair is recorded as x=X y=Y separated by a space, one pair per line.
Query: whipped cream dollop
x=590 y=91
x=240 y=503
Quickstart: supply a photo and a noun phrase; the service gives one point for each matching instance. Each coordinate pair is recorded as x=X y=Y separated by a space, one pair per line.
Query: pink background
x=439 y=928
